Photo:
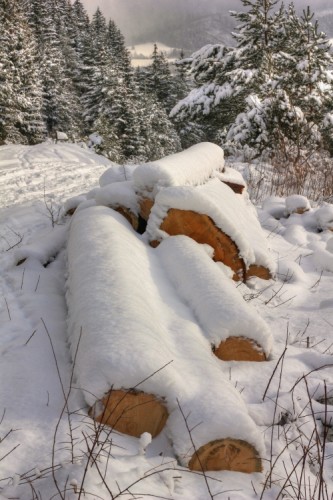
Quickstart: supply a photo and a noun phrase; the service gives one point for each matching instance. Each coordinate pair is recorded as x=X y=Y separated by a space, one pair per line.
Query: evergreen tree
x=158 y=80
x=20 y=91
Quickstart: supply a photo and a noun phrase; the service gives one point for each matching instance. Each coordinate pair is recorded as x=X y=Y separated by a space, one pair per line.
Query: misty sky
x=135 y=16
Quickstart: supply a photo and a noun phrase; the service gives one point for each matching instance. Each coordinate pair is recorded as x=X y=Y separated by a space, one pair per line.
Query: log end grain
x=132 y=413
x=201 y=228
x=237 y=188
x=226 y=454
x=259 y=272
x=239 y=349
x=129 y=215
x=146 y=205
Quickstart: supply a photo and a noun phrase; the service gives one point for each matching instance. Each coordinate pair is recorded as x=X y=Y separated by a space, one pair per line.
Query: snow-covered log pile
x=141 y=355
x=191 y=167
x=214 y=214
x=230 y=324
x=119 y=195
x=194 y=194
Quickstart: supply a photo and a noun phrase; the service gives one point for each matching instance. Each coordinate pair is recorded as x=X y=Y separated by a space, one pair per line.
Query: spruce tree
x=20 y=89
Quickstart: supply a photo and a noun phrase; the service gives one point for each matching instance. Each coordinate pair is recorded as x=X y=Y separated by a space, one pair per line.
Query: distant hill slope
x=214 y=28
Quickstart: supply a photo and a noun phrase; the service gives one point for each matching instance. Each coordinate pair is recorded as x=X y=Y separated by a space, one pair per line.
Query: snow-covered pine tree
x=118 y=51
x=20 y=88
x=213 y=104
x=96 y=62
x=159 y=81
x=284 y=114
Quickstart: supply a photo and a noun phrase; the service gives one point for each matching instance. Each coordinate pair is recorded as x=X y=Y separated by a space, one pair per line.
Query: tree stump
x=201 y=228
x=226 y=454
x=239 y=349
x=132 y=413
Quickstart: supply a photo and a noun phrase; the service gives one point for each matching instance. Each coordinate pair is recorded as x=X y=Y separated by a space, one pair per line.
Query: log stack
x=143 y=361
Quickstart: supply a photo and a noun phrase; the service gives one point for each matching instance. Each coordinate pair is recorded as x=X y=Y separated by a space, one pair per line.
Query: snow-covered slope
x=46 y=436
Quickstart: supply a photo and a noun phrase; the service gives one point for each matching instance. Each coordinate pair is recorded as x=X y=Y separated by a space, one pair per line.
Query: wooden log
x=129 y=215
x=145 y=205
x=257 y=271
x=132 y=413
x=239 y=349
x=226 y=454
x=230 y=324
x=202 y=229
x=237 y=188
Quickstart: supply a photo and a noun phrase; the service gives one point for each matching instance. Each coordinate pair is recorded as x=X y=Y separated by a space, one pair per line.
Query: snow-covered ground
x=49 y=447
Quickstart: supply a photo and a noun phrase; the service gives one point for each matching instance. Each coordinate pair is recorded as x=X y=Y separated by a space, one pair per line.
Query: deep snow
x=37 y=433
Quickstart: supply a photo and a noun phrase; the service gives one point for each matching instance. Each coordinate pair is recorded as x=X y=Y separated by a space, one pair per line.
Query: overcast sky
x=109 y=6
x=138 y=15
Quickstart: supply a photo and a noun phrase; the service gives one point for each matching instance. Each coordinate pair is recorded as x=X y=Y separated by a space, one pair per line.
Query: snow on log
x=217 y=432
x=117 y=173
x=233 y=327
x=140 y=347
x=232 y=178
x=191 y=167
x=214 y=214
x=297 y=204
x=121 y=197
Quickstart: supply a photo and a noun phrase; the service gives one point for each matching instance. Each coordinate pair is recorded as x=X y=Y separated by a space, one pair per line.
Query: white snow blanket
x=297 y=202
x=233 y=214
x=230 y=175
x=45 y=247
x=119 y=194
x=117 y=173
x=130 y=331
x=219 y=307
x=191 y=167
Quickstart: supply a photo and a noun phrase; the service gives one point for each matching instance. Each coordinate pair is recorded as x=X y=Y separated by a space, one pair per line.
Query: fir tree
x=20 y=90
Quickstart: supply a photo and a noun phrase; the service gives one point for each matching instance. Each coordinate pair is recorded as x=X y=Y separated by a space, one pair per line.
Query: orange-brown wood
x=145 y=207
x=237 y=188
x=239 y=349
x=132 y=413
x=129 y=215
x=226 y=454
x=257 y=271
x=201 y=228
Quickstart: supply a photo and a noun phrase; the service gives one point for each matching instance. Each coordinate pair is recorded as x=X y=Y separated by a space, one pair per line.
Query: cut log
x=129 y=215
x=145 y=207
x=229 y=322
x=202 y=229
x=237 y=188
x=226 y=454
x=239 y=349
x=132 y=413
x=213 y=214
x=257 y=271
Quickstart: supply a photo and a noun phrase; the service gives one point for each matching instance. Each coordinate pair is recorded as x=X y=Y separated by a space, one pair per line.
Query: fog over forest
x=140 y=20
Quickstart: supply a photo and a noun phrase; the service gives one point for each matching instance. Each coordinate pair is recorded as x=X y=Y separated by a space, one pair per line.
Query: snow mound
x=297 y=204
x=117 y=173
x=324 y=217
